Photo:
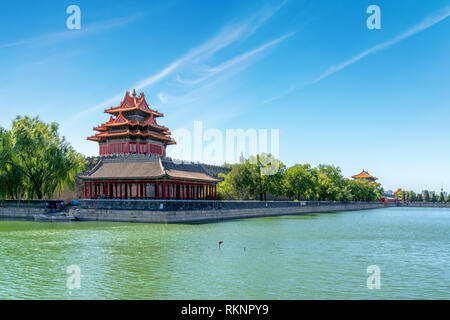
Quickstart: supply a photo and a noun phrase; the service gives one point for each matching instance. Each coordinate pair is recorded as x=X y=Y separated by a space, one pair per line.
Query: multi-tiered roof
x=364 y=175
x=133 y=119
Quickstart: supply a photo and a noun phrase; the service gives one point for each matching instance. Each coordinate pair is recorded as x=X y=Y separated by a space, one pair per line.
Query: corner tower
x=132 y=129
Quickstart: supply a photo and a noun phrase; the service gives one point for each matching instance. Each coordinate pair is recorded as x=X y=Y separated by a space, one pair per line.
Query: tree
x=419 y=197
x=345 y=194
x=237 y=184
x=363 y=190
x=426 y=196
x=298 y=182
x=45 y=161
x=405 y=195
x=329 y=182
x=268 y=172
x=433 y=197
x=11 y=177
x=441 y=197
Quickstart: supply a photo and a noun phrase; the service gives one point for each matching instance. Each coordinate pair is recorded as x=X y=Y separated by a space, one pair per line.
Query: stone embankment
x=179 y=211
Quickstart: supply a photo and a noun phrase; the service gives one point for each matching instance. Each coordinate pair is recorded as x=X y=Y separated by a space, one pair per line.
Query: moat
x=315 y=256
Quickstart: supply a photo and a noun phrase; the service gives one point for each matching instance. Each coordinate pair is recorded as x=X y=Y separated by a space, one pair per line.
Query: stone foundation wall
x=425 y=204
x=175 y=211
x=24 y=209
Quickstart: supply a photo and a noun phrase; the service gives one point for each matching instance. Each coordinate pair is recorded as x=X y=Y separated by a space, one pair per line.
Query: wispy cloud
x=234 y=61
x=224 y=38
x=230 y=34
x=226 y=70
x=70 y=34
x=425 y=24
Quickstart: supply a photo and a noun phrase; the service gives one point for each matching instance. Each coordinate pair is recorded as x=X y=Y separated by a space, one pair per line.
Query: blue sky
x=338 y=92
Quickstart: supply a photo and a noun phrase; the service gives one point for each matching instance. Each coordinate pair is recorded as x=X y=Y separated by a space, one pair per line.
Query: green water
x=319 y=256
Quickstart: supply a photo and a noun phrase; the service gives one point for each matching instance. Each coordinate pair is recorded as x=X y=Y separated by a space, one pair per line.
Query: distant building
x=398 y=194
x=365 y=175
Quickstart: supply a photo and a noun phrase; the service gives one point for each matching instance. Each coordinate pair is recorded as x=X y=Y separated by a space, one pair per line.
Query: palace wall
x=192 y=211
x=199 y=211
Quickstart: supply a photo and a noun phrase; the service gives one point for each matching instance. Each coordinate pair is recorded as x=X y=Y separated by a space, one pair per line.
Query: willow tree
x=46 y=160
x=11 y=176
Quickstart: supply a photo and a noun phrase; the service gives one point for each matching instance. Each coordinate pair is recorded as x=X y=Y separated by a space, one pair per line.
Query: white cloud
x=228 y=35
x=234 y=61
x=69 y=34
x=425 y=24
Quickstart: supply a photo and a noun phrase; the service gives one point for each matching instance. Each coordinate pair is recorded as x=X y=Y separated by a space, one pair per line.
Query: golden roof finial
x=134 y=93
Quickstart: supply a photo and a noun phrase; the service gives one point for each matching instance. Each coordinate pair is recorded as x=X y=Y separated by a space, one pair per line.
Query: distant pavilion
x=132 y=147
x=366 y=176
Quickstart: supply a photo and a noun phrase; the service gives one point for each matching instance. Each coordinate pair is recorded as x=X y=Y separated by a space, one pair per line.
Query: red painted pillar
x=120 y=186
x=137 y=190
x=164 y=190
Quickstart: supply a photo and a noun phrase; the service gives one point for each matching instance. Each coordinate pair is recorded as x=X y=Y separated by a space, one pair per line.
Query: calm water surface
x=319 y=256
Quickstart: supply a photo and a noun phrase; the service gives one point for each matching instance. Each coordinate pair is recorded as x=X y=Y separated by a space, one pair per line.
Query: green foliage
x=426 y=196
x=363 y=190
x=254 y=177
x=299 y=182
x=419 y=197
x=37 y=158
x=433 y=198
x=11 y=177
